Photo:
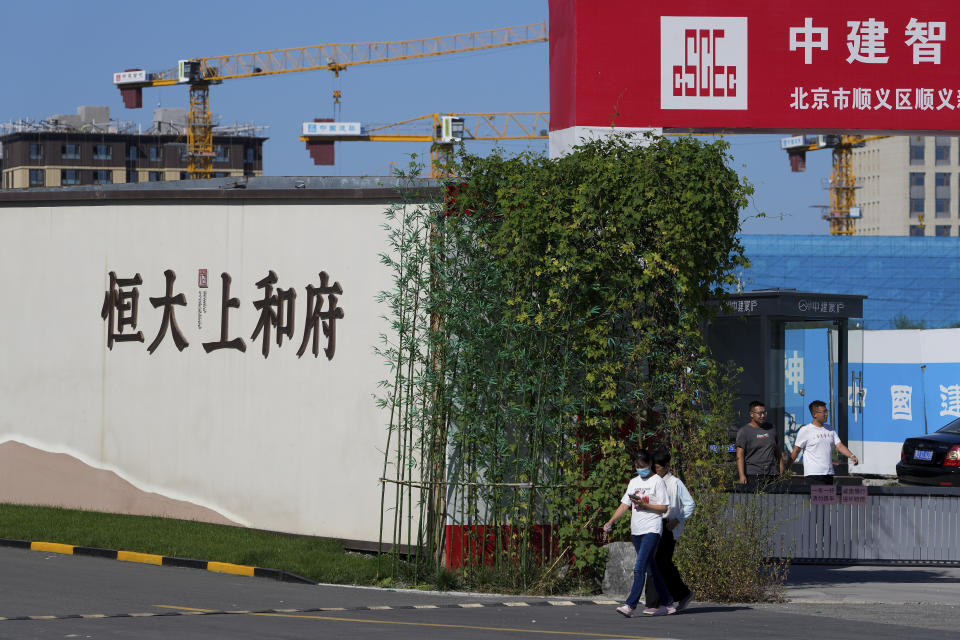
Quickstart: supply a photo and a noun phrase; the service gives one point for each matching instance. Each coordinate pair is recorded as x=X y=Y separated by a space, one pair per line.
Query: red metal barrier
x=473 y=544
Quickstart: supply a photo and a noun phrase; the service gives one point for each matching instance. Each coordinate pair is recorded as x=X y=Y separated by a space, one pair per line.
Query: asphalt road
x=188 y=604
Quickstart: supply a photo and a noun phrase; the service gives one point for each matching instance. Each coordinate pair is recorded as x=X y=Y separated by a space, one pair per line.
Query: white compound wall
x=281 y=442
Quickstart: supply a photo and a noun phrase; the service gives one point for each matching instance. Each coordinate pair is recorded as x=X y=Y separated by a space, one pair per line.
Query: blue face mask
x=643 y=473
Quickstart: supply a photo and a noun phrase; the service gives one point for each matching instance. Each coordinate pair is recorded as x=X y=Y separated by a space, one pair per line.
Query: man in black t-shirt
x=759 y=458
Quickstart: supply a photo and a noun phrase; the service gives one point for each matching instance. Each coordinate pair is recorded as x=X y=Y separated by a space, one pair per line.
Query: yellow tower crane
x=843 y=211
x=200 y=73
x=441 y=130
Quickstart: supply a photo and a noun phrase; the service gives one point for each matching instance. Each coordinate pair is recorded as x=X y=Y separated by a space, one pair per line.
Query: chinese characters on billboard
x=750 y=65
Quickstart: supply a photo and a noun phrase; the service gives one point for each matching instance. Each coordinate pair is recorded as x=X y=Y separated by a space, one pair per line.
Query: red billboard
x=755 y=65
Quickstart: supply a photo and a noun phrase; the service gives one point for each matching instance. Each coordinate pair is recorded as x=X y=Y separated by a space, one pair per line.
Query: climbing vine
x=546 y=321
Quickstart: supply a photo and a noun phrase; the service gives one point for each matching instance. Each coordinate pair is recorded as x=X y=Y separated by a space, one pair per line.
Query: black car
x=932 y=459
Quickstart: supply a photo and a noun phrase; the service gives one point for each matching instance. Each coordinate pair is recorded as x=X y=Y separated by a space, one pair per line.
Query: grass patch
x=319 y=559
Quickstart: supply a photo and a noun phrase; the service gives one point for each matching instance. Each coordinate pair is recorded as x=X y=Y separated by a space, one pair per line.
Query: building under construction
x=883 y=185
x=908 y=186
x=89 y=148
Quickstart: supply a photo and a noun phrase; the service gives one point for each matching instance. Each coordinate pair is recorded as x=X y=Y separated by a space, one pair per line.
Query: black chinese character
x=169 y=319
x=227 y=302
x=276 y=311
x=116 y=305
x=315 y=315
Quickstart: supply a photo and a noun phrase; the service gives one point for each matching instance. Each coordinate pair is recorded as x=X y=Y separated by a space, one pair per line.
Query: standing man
x=681 y=508
x=759 y=458
x=817 y=440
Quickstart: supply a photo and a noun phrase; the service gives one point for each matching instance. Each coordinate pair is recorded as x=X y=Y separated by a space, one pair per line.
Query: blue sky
x=62 y=54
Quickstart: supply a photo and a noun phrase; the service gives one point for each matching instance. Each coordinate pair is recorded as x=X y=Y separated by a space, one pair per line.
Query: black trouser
x=671 y=576
x=827 y=479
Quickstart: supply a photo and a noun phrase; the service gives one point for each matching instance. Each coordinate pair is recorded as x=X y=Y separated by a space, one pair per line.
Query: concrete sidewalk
x=857 y=584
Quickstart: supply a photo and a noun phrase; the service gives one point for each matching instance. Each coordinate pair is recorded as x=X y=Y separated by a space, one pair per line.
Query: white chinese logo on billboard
x=703 y=63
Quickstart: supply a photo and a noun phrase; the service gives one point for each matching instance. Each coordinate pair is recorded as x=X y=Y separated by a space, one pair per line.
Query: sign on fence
x=823 y=494
x=853 y=494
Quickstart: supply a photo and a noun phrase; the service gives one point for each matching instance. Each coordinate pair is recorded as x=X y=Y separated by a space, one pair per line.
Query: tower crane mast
x=200 y=73
x=843 y=212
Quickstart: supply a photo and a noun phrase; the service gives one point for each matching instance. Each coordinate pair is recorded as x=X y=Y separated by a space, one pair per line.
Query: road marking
x=189 y=611
x=581 y=634
x=432 y=625
x=184 y=611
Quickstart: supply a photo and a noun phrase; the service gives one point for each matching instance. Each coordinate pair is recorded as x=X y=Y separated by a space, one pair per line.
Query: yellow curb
x=226 y=567
x=53 y=547
x=134 y=556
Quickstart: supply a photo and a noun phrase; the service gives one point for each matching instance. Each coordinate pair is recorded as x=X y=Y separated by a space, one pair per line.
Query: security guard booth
x=793 y=348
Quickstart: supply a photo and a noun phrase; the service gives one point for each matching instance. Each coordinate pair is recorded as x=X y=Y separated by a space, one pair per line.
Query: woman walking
x=682 y=507
x=646 y=495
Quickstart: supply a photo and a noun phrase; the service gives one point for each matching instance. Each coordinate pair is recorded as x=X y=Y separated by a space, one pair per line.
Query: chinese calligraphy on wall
x=276 y=307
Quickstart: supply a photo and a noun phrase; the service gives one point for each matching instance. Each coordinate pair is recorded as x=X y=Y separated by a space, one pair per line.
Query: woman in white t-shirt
x=646 y=495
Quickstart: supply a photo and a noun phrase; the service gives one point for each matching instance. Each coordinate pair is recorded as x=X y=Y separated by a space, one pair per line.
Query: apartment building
x=908 y=186
x=89 y=148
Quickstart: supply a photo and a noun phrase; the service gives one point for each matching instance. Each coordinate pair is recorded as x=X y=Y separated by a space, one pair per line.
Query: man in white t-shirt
x=817 y=440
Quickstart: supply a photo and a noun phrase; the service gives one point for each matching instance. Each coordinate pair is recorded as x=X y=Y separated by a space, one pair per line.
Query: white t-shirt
x=652 y=487
x=682 y=505
x=817 y=445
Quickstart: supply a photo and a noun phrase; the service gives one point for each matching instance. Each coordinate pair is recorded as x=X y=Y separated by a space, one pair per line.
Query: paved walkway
x=836 y=584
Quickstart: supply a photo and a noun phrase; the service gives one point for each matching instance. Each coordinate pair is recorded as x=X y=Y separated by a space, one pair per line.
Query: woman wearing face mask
x=647 y=497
